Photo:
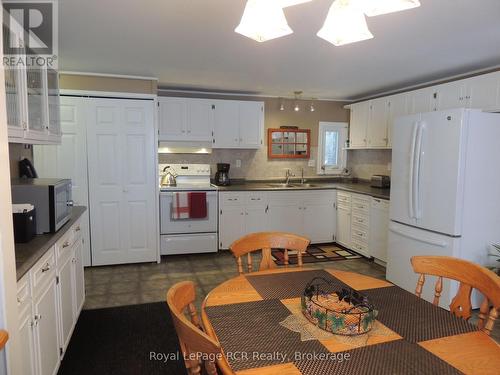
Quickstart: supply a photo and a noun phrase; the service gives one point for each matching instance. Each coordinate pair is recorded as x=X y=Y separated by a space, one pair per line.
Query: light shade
x=263 y=20
x=377 y=7
x=289 y=3
x=345 y=23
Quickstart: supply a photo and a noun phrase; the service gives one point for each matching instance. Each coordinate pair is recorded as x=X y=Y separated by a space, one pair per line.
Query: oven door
x=205 y=225
x=62 y=205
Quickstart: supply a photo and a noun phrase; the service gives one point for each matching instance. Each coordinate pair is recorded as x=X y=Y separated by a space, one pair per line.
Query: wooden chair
x=471 y=276
x=192 y=339
x=266 y=241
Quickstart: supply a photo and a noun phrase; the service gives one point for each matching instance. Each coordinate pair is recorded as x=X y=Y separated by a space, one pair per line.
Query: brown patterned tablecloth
x=244 y=314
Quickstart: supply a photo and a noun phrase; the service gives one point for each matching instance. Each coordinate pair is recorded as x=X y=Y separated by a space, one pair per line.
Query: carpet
x=124 y=340
x=314 y=254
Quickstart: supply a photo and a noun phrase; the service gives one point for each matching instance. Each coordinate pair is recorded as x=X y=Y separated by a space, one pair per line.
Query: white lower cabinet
x=344 y=219
x=379 y=217
x=50 y=297
x=307 y=213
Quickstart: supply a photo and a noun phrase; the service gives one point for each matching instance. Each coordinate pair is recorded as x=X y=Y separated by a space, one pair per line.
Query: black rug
x=124 y=340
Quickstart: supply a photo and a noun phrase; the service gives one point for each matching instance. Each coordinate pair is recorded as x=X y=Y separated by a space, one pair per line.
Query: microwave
x=51 y=198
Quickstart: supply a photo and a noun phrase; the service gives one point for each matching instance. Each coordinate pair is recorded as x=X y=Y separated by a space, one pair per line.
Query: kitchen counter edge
x=27 y=254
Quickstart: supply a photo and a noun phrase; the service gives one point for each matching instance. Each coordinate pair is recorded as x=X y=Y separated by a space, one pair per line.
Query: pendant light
x=311 y=106
x=297 y=94
x=282 y=104
x=345 y=23
x=377 y=7
x=263 y=20
x=289 y=3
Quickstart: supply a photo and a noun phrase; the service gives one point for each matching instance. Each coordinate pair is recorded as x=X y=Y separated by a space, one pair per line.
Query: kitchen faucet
x=302 y=180
x=288 y=174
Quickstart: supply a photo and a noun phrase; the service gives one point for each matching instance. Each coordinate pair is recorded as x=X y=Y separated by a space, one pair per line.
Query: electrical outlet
x=238 y=163
x=311 y=163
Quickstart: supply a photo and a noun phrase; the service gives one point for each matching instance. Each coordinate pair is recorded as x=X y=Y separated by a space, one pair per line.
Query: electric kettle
x=168 y=177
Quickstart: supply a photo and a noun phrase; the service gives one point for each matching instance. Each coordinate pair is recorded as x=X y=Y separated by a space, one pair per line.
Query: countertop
x=27 y=254
x=360 y=187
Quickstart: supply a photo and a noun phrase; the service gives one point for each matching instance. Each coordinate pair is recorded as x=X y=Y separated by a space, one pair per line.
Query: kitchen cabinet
x=285 y=212
x=360 y=224
x=360 y=115
x=53 y=105
x=397 y=105
x=50 y=297
x=421 y=100
x=185 y=119
x=483 y=91
x=319 y=216
x=448 y=95
x=344 y=219
x=238 y=124
x=79 y=272
x=16 y=120
x=231 y=224
x=377 y=124
x=379 y=229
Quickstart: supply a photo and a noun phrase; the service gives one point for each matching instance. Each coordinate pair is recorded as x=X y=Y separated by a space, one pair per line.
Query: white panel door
x=440 y=171
x=79 y=277
x=377 y=125
x=402 y=178
x=251 y=124
x=256 y=219
x=482 y=91
x=360 y=116
x=449 y=95
x=344 y=225
x=421 y=100
x=26 y=339
x=172 y=119
x=231 y=225
x=397 y=105
x=200 y=120
x=285 y=212
x=320 y=219
x=226 y=124
x=66 y=292
x=121 y=181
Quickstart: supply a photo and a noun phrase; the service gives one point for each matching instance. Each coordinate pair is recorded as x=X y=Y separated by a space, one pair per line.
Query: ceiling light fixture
x=377 y=7
x=289 y=3
x=345 y=23
x=263 y=20
x=282 y=105
x=297 y=95
x=311 y=107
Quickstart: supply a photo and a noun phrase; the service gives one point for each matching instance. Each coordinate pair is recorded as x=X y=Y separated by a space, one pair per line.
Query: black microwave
x=51 y=198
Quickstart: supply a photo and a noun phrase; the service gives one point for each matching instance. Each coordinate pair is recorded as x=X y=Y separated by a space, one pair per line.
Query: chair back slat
x=265 y=242
x=470 y=276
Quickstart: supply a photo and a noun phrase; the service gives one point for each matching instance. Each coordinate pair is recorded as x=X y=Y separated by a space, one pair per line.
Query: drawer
x=361 y=220
x=361 y=206
x=343 y=197
x=256 y=198
x=231 y=199
x=381 y=204
x=23 y=293
x=360 y=248
x=44 y=269
x=359 y=235
x=77 y=230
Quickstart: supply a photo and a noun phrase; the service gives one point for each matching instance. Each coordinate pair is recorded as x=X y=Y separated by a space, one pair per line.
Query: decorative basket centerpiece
x=344 y=312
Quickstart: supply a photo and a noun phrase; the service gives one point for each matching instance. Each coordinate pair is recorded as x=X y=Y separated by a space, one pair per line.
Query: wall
x=365 y=163
x=254 y=163
x=16 y=152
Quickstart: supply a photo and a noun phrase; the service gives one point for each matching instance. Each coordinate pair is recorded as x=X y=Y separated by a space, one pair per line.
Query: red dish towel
x=197 y=205
x=180 y=205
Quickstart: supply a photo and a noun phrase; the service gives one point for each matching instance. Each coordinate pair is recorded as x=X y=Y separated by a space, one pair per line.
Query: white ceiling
x=191 y=44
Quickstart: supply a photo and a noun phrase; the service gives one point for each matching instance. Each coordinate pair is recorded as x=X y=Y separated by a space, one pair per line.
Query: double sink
x=292 y=185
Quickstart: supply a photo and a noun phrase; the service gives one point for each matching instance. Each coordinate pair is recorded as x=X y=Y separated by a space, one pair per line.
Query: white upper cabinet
x=238 y=124
x=421 y=100
x=16 y=120
x=397 y=105
x=360 y=114
x=483 y=91
x=199 y=120
x=377 y=125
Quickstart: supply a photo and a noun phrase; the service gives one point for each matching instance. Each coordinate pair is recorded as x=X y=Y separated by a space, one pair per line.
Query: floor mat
x=314 y=254
x=124 y=340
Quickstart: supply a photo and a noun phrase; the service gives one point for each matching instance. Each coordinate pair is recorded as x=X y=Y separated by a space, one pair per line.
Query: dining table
x=258 y=321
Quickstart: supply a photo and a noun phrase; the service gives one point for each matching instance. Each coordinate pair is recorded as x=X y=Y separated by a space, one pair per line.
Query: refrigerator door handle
x=411 y=183
x=417 y=170
x=419 y=239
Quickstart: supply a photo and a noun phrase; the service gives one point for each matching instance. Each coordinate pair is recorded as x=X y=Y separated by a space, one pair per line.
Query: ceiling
x=190 y=44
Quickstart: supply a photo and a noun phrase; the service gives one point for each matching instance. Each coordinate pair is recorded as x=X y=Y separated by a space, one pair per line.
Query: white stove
x=190 y=177
x=188 y=236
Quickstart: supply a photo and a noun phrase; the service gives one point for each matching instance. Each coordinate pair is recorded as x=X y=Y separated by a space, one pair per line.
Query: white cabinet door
x=285 y=212
x=231 y=225
x=483 y=91
x=200 y=115
x=360 y=116
x=121 y=158
x=37 y=129
x=79 y=276
x=251 y=124
x=379 y=228
x=46 y=329
x=448 y=96
x=377 y=125
x=421 y=100
x=66 y=293
x=344 y=225
x=14 y=92
x=397 y=105
x=172 y=119
x=27 y=343
x=256 y=219
x=53 y=102
x=226 y=124
x=319 y=216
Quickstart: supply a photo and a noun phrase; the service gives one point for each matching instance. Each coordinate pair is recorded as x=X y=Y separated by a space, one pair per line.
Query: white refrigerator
x=445 y=192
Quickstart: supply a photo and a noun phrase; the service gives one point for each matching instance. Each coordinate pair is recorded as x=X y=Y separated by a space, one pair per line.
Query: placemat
x=414 y=318
x=396 y=357
x=251 y=336
x=289 y=284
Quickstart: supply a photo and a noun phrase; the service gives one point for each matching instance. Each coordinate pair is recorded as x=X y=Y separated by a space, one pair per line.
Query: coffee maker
x=222 y=174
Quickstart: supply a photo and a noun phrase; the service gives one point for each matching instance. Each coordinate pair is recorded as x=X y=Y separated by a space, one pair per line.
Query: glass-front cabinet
x=37 y=104
x=53 y=104
x=288 y=143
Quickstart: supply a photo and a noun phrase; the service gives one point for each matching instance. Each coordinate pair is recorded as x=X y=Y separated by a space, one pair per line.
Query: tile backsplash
x=365 y=163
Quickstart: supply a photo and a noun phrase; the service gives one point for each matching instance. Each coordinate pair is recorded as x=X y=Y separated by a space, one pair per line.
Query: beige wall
x=255 y=163
x=16 y=152
x=104 y=83
x=365 y=163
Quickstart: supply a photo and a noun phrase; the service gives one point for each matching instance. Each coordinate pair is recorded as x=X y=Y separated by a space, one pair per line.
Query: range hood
x=182 y=147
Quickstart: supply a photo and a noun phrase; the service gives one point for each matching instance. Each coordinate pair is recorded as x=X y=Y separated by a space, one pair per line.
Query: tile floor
x=110 y=286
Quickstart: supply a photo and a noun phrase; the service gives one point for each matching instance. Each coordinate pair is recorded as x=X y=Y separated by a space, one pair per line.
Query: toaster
x=380 y=181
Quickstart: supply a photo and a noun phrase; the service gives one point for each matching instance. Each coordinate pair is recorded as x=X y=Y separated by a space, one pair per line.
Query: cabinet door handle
x=66 y=244
x=267 y=209
x=46 y=268
x=255 y=199
x=77 y=229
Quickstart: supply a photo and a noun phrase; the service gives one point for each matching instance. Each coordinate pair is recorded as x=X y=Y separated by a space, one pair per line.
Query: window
x=332 y=156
